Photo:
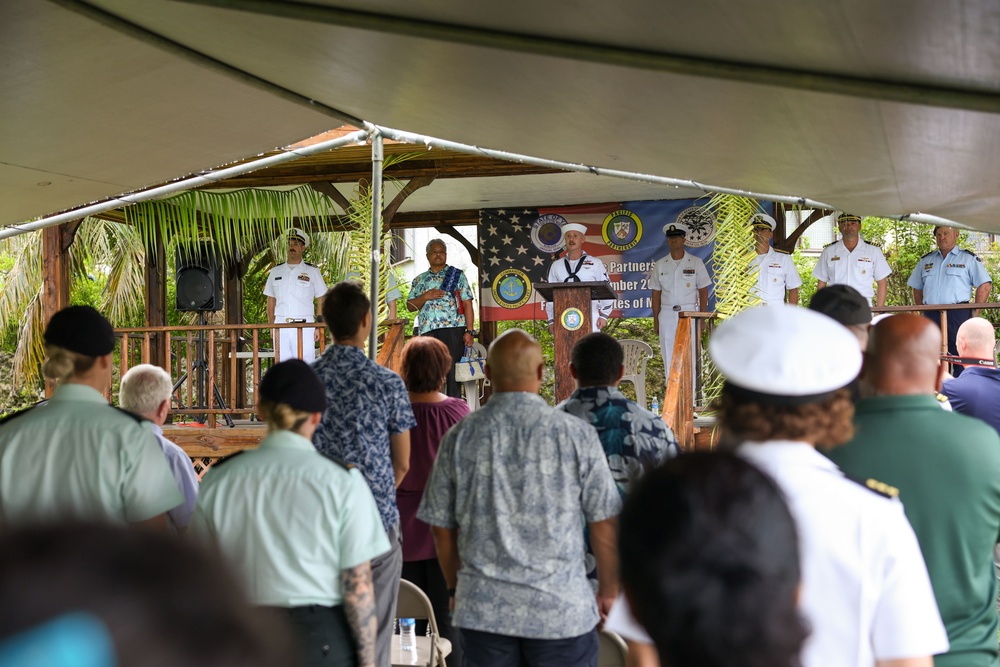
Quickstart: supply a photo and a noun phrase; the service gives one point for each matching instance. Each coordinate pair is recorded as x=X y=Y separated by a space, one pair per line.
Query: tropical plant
x=734 y=253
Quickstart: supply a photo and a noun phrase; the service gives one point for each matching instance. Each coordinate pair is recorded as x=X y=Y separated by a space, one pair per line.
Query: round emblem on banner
x=571 y=319
x=622 y=230
x=511 y=288
x=701 y=222
x=546 y=232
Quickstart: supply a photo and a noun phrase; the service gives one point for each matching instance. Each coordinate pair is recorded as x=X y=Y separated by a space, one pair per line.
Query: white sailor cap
x=573 y=227
x=675 y=229
x=784 y=355
x=763 y=220
x=296 y=233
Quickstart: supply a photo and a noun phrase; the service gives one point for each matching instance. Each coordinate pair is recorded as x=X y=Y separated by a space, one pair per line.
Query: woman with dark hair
x=714 y=572
x=866 y=594
x=425 y=365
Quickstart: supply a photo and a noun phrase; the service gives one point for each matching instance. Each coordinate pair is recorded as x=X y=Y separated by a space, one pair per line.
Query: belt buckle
x=676 y=309
x=293 y=320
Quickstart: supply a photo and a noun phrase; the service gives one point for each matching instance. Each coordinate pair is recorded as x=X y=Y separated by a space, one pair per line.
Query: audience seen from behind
x=634 y=439
x=300 y=527
x=367 y=424
x=75 y=455
x=505 y=500
x=945 y=467
x=865 y=590
x=104 y=596
x=145 y=390
x=713 y=572
x=424 y=367
x=976 y=392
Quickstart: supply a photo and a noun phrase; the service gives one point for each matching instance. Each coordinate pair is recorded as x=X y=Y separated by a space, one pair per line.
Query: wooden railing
x=218 y=367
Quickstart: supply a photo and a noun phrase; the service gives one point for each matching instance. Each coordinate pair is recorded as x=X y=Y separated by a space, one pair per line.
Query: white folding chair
x=637 y=353
x=612 y=651
x=411 y=602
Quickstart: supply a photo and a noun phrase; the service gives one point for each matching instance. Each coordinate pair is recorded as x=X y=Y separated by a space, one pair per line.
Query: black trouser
x=956 y=318
x=323 y=636
x=454 y=338
x=426 y=575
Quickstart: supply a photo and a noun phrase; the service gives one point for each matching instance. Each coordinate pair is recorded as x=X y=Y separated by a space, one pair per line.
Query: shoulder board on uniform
x=875 y=486
x=138 y=418
x=782 y=252
x=343 y=464
x=310 y=264
x=941 y=397
x=929 y=254
x=15 y=415
x=831 y=243
x=874 y=245
x=229 y=458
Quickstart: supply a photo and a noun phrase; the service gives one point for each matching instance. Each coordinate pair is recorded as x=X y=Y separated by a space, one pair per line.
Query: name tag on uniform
x=277 y=279
x=835 y=258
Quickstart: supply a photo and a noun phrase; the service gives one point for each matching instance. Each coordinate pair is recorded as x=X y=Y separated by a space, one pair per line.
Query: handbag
x=470 y=369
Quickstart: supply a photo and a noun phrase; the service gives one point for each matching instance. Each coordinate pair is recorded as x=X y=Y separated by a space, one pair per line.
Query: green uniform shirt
x=76 y=456
x=947 y=469
x=290 y=520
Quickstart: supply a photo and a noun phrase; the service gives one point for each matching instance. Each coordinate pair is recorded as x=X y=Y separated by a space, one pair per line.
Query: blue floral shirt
x=634 y=439
x=441 y=313
x=514 y=478
x=366 y=404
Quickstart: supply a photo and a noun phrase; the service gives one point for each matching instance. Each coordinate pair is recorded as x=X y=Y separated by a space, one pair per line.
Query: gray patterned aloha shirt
x=634 y=439
x=514 y=478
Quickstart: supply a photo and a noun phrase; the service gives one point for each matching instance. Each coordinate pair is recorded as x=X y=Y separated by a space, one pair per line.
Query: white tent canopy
x=881 y=108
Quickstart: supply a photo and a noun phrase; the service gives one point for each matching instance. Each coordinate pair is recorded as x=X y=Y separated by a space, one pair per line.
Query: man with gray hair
x=145 y=391
x=444 y=300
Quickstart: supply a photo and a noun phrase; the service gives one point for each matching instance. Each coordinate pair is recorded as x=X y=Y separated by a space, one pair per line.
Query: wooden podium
x=572 y=321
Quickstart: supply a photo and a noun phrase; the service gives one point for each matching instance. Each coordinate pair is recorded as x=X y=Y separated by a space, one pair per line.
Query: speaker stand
x=200 y=367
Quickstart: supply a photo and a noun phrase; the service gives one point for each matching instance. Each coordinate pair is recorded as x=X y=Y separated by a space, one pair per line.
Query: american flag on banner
x=516 y=248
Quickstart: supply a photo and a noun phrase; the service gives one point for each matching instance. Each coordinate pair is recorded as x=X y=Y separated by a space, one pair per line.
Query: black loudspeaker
x=199 y=278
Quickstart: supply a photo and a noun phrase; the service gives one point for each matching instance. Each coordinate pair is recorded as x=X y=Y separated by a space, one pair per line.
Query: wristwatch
x=470 y=332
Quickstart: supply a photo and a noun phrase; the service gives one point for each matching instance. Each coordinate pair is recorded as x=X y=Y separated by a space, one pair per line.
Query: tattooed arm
x=359 y=605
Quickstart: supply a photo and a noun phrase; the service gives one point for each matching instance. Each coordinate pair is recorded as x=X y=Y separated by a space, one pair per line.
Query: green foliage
x=805 y=264
x=903 y=244
x=734 y=252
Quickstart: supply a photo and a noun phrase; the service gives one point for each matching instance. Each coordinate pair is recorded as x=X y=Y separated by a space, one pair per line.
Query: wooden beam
x=414 y=184
x=334 y=194
x=788 y=245
x=453 y=233
x=464 y=166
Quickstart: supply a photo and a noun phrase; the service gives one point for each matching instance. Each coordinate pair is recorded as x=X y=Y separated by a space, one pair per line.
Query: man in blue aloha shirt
x=633 y=438
x=504 y=501
x=444 y=300
x=367 y=424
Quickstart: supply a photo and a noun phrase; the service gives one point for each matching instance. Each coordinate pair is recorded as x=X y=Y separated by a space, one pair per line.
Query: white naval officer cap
x=784 y=355
x=572 y=227
x=675 y=229
x=763 y=220
x=296 y=233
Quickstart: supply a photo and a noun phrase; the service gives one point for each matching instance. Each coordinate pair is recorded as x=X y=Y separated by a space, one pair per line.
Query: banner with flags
x=517 y=246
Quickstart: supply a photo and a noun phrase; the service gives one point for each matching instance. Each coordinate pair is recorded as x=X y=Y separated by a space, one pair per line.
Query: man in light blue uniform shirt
x=949 y=275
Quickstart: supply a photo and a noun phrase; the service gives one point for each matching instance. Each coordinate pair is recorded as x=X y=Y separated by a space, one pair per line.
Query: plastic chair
x=411 y=602
x=637 y=353
x=612 y=651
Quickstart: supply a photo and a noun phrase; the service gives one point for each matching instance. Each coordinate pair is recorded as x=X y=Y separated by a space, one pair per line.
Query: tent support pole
x=376 y=192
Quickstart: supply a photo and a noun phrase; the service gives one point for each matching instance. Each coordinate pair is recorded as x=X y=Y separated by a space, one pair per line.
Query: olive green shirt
x=946 y=467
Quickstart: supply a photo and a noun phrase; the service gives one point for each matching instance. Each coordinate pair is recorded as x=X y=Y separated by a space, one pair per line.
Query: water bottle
x=407 y=634
x=656 y=406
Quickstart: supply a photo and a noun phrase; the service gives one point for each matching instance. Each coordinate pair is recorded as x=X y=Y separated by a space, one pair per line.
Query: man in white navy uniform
x=865 y=589
x=776 y=270
x=678 y=282
x=577 y=266
x=291 y=289
x=852 y=261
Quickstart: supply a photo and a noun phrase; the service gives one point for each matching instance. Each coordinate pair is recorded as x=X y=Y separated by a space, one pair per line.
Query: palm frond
x=732 y=258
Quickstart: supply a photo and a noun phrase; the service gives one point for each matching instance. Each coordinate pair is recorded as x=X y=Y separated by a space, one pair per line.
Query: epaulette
x=783 y=252
x=343 y=464
x=229 y=458
x=310 y=264
x=138 y=418
x=929 y=254
x=874 y=245
x=941 y=397
x=875 y=486
x=15 y=415
x=830 y=243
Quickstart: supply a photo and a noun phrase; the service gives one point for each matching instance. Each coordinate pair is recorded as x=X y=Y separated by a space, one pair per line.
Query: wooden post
x=234 y=315
x=56 y=241
x=156 y=301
